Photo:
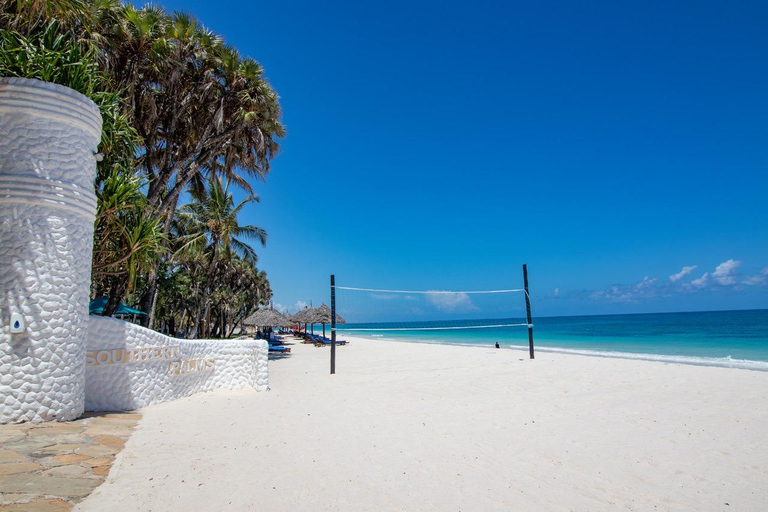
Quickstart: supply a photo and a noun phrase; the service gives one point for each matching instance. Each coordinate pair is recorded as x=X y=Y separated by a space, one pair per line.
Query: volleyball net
x=375 y=309
x=361 y=310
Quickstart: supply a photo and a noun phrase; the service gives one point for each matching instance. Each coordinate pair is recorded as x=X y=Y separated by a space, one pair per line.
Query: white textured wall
x=48 y=137
x=161 y=376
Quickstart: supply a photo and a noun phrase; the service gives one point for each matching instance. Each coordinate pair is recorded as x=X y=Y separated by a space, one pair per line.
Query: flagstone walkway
x=52 y=466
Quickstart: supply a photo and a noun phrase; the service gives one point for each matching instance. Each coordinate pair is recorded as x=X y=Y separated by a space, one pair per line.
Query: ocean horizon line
x=692 y=311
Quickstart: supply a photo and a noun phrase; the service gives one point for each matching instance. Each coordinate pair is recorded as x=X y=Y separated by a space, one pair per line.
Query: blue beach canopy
x=96 y=307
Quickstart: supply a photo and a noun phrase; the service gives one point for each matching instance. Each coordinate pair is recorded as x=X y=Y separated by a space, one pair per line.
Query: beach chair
x=322 y=341
x=277 y=348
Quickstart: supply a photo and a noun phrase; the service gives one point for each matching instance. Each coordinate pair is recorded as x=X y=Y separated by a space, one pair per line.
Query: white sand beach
x=430 y=427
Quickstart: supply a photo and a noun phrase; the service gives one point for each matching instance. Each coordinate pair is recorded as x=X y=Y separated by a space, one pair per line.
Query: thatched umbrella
x=295 y=319
x=322 y=315
x=304 y=316
x=267 y=317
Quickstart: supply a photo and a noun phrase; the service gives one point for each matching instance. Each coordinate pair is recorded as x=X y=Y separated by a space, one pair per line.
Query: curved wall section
x=48 y=138
x=129 y=366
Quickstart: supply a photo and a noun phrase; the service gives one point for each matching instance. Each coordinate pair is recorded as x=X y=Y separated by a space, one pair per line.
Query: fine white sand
x=428 y=427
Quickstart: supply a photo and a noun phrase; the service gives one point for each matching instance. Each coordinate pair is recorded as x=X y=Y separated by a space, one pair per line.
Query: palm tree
x=199 y=107
x=240 y=290
x=126 y=240
x=208 y=227
x=178 y=105
x=196 y=103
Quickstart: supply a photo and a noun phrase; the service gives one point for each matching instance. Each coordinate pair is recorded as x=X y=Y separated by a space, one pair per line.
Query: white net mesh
x=369 y=309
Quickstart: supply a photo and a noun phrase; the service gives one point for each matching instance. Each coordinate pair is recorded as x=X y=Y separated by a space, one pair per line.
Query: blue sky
x=439 y=145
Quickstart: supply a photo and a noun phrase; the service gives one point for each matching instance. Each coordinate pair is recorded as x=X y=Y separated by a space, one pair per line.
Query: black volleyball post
x=528 y=310
x=333 y=324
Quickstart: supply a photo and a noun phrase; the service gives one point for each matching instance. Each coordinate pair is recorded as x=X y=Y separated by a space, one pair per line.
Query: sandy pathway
x=429 y=427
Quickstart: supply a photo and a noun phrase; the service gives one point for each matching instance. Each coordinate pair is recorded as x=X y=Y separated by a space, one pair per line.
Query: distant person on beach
x=497 y=344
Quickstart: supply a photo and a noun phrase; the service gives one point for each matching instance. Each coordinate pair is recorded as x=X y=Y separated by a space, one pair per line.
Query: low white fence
x=128 y=366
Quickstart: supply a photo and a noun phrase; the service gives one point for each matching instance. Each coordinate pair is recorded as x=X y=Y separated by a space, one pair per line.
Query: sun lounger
x=321 y=341
x=277 y=348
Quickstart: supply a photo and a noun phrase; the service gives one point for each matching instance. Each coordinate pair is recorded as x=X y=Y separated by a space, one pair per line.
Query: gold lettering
x=122 y=353
x=104 y=357
x=132 y=355
x=186 y=366
x=155 y=353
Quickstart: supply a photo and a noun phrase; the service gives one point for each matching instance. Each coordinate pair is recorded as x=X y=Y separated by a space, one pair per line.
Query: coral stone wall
x=48 y=139
x=128 y=366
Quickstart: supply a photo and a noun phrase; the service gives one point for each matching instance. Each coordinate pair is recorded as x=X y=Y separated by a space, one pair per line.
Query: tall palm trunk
x=149 y=300
x=198 y=321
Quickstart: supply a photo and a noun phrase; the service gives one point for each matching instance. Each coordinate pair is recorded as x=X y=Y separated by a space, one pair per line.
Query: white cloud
x=556 y=293
x=300 y=304
x=684 y=272
x=700 y=282
x=451 y=301
x=759 y=279
x=280 y=307
x=645 y=289
x=614 y=294
x=725 y=273
x=645 y=284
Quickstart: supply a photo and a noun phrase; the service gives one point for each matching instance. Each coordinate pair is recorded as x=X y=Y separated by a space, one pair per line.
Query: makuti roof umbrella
x=267 y=317
x=291 y=318
x=300 y=316
x=305 y=316
x=322 y=315
x=96 y=307
x=285 y=320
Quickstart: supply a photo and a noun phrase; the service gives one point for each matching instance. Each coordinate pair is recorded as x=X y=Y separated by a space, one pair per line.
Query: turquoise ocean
x=735 y=339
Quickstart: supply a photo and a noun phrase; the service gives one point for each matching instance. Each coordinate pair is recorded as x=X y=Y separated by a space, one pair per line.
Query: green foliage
x=51 y=56
x=210 y=222
x=181 y=110
x=24 y=15
x=126 y=239
x=211 y=247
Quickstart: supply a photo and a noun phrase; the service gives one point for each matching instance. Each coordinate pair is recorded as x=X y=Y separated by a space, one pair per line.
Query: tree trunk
x=198 y=321
x=149 y=300
x=149 y=297
x=116 y=292
x=188 y=328
x=238 y=320
x=206 y=321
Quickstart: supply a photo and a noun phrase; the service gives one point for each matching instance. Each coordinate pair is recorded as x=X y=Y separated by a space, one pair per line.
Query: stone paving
x=53 y=466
